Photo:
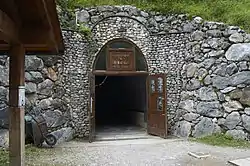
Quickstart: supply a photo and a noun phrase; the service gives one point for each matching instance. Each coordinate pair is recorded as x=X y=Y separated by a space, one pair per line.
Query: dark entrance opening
x=120 y=101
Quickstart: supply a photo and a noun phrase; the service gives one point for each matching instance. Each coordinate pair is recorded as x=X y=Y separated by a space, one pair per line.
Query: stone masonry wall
x=206 y=65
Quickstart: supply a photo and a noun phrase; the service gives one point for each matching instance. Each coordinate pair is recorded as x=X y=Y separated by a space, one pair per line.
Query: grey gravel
x=141 y=152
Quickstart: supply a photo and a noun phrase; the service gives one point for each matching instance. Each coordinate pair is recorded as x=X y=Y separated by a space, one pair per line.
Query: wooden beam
x=119 y=73
x=16 y=110
x=52 y=35
x=8 y=31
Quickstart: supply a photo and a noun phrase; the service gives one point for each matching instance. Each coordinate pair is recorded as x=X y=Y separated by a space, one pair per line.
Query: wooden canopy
x=33 y=23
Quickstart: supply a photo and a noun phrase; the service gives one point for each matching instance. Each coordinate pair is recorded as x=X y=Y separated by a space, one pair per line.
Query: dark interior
x=119 y=99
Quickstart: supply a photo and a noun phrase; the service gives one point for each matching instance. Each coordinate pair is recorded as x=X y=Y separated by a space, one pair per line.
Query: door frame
x=114 y=73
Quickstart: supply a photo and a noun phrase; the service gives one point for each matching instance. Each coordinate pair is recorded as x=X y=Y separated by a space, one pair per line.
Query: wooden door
x=157 y=105
x=91 y=107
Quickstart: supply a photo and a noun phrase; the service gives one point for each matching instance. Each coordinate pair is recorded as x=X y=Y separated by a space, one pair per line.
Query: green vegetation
x=234 y=12
x=223 y=140
x=31 y=154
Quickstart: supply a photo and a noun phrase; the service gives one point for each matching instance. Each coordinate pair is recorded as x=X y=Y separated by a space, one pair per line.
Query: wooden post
x=16 y=110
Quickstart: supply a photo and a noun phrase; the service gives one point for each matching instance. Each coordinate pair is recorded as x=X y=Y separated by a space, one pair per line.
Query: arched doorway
x=120 y=99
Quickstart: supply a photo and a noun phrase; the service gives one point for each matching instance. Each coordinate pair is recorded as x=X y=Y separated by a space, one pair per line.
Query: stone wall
x=43 y=89
x=215 y=96
x=206 y=65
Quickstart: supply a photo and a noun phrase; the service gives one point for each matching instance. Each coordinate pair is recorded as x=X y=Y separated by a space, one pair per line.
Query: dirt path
x=141 y=152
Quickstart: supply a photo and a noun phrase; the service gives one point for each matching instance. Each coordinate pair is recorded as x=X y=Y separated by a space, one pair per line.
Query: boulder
x=207 y=80
x=246 y=122
x=207 y=94
x=247 y=110
x=238 y=52
x=45 y=88
x=232 y=105
x=191 y=69
x=50 y=73
x=4 y=118
x=83 y=16
x=187 y=105
x=53 y=118
x=221 y=70
x=210 y=109
x=236 y=38
x=237 y=134
x=240 y=78
x=220 y=82
x=232 y=120
x=64 y=135
x=245 y=98
x=201 y=73
x=3 y=94
x=4 y=76
x=4 y=138
x=236 y=94
x=231 y=69
x=182 y=129
x=197 y=35
x=33 y=76
x=191 y=116
x=30 y=88
x=214 y=33
x=208 y=63
x=243 y=66
x=32 y=63
x=193 y=84
x=204 y=128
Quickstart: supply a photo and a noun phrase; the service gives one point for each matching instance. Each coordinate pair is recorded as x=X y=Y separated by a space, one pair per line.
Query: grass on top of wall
x=233 y=12
x=222 y=140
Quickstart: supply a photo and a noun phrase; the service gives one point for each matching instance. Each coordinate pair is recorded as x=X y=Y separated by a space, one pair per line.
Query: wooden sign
x=121 y=60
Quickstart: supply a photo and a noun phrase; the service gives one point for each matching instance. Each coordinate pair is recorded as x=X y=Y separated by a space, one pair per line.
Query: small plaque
x=21 y=96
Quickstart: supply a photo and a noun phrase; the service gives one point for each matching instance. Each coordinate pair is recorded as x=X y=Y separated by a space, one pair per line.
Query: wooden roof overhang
x=32 y=23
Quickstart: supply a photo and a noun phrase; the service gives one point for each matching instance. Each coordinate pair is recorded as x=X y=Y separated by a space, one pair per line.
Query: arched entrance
x=120 y=95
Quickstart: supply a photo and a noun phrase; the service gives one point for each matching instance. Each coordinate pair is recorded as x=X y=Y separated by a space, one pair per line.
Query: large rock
x=193 y=84
x=45 y=88
x=64 y=135
x=32 y=63
x=204 y=128
x=83 y=16
x=191 y=116
x=236 y=38
x=207 y=94
x=182 y=129
x=210 y=109
x=240 y=78
x=220 y=82
x=4 y=118
x=232 y=105
x=245 y=98
x=187 y=105
x=197 y=35
x=236 y=94
x=231 y=69
x=247 y=110
x=191 y=69
x=237 y=134
x=3 y=94
x=208 y=63
x=228 y=89
x=4 y=76
x=33 y=76
x=232 y=120
x=4 y=138
x=30 y=87
x=238 y=52
x=246 y=122
x=53 y=118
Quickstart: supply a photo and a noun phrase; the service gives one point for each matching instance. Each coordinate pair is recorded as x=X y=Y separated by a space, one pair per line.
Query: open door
x=157 y=105
x=91 y=107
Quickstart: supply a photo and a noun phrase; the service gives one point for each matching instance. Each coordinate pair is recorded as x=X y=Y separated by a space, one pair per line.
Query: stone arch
x=123 y=40
x=116 y=27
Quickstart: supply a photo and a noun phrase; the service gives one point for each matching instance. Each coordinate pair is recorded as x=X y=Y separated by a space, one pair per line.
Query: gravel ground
x=141 y=152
